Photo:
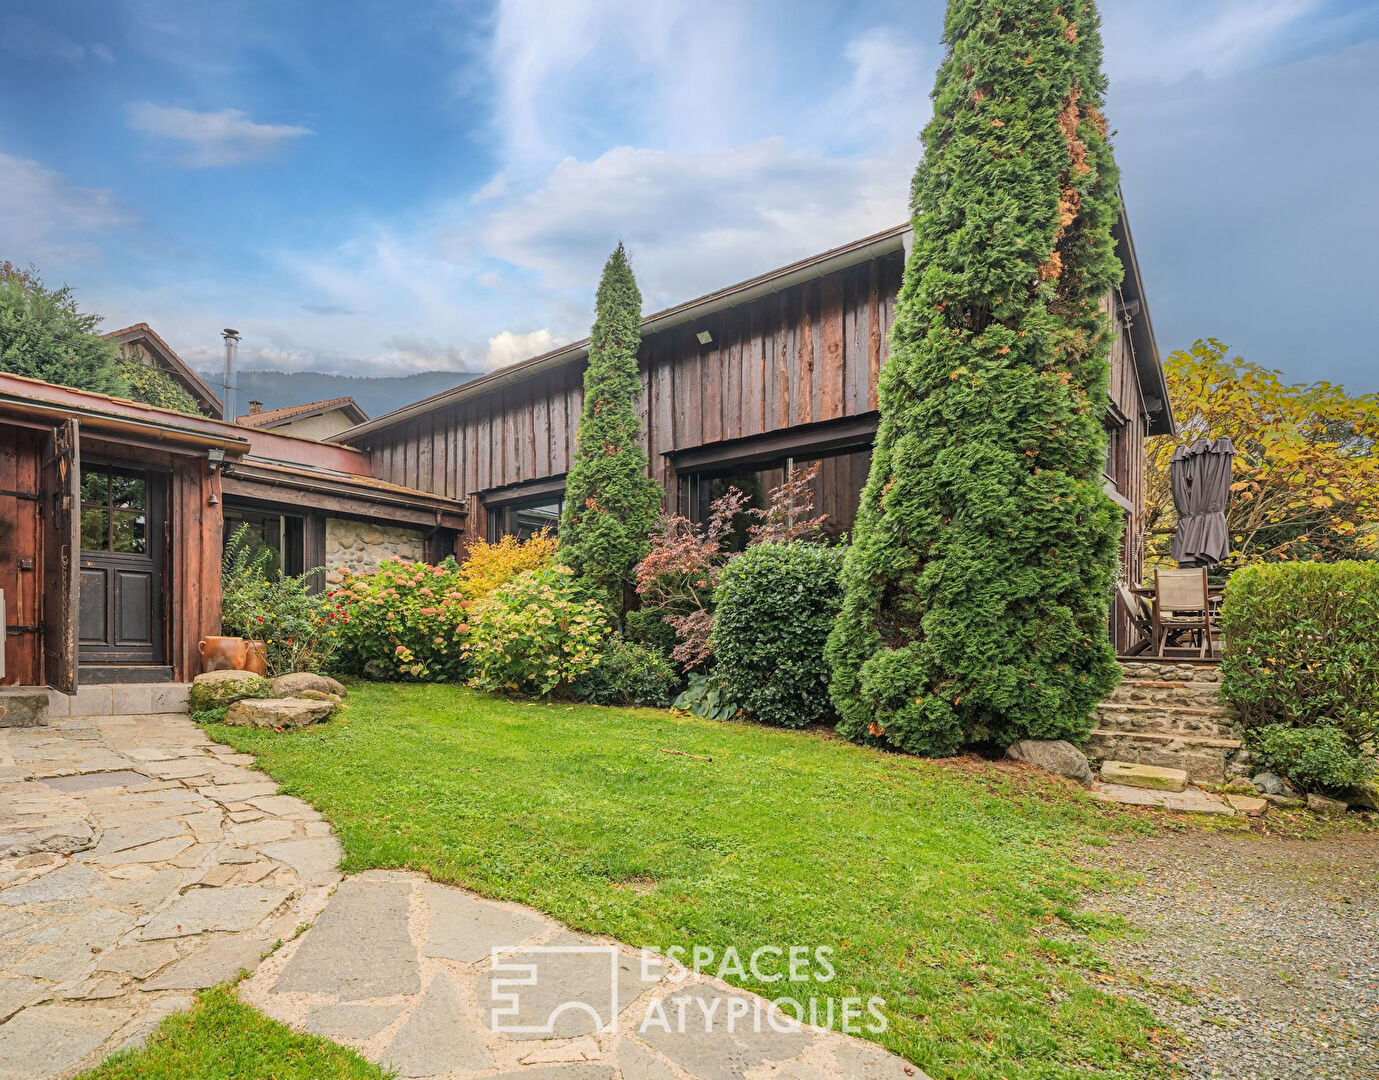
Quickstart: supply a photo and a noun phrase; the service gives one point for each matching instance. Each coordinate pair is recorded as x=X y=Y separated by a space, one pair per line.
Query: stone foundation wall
x=360 y=546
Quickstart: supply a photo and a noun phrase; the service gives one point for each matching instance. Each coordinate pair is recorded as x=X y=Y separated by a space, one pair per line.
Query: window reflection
x=114 y=510
x=524 y=520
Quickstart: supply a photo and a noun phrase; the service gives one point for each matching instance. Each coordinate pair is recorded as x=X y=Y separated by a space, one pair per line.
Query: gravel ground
x=1262 y=953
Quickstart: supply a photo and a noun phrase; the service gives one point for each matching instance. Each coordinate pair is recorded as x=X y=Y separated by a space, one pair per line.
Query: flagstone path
x=139 y=861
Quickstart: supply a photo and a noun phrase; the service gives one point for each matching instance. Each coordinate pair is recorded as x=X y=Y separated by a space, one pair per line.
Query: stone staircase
x=1170 y=714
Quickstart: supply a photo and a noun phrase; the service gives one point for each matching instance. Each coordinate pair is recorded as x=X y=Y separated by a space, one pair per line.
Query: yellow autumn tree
x=1306 y=470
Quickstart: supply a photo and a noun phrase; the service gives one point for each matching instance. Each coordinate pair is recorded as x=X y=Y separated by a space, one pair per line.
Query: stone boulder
x=1267 y=783
x=217 y=689
x=1320 y=804
x=1053 y=756
x=292 y=685
x=1362 y=796
x=278 y=712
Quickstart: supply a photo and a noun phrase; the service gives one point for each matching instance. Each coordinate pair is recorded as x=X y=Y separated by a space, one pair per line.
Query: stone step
x=1202 y=758
x=1134 y=774
x=1180 y=709
x=1165 y=669
x=22 y=707
x=1163 y=722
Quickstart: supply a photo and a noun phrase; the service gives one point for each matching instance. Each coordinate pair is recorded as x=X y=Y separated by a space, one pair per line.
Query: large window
x=837 y=487
x=525 y=517
x=282 y=534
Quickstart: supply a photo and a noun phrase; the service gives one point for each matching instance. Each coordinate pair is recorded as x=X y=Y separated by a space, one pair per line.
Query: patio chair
x=1182 y=605
x=1141 y=617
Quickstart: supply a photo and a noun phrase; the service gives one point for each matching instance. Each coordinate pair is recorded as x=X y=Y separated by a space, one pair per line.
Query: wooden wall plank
x=832 y=367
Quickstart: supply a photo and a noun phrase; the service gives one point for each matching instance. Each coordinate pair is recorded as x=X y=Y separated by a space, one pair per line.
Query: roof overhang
x=1134 y=310
x=876 y=246
x=350 y=495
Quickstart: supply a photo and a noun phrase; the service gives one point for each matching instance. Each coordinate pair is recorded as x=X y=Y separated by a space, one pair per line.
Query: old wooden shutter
x=61 y=543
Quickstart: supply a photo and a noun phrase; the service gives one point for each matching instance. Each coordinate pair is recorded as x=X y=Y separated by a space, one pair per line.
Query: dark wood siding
x=21 y=546
x=807 y=354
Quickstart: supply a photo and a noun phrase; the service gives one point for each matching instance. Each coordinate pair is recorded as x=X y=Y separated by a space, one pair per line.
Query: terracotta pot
x=232 y=654
x=256 y=657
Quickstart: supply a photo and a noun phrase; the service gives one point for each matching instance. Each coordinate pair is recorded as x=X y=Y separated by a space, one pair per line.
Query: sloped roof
x=171 y=362
x=271 y=418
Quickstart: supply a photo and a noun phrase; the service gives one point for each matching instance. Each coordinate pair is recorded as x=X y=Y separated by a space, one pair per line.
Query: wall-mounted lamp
x=705 y=338
x=216 y=456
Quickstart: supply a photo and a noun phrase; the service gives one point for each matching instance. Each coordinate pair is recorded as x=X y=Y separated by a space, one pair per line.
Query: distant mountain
x=376 y=394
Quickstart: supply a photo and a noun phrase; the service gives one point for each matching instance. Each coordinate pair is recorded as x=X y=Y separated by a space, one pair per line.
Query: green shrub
x=300 y=630
x=405 y=621
x=629 y=673
x=647 y=626
x=708 y=697
x=977 y=585
x=535 y=635
x=1314 y=758
x=774 y=606
x=1301 y=647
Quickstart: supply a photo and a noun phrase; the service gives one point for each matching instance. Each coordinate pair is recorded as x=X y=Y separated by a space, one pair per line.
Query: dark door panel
x=95 y=597
x=134 y=615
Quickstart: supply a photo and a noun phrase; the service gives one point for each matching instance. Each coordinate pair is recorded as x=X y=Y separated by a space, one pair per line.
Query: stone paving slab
x=1192 y=800
x=110 y=927
x=404 y=970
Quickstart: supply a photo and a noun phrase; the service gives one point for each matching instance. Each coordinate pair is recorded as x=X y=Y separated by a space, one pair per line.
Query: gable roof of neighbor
x=271 y=418
x=172 y=363
x=1146 y=353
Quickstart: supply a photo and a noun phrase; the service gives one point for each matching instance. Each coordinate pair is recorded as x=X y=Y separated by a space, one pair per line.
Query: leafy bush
x=678 y=576
x=405 y=620
x=774 y=607
x=706 y=696
x=1300 y=647
x=486 y=566
x=1315 y=758
x=647 y=626
x=154 y=386
x=300 y=630
x=535 y=635
x=628 y=674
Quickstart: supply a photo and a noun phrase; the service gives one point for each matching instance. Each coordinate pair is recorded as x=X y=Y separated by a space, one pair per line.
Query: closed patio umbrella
x=1201 y=478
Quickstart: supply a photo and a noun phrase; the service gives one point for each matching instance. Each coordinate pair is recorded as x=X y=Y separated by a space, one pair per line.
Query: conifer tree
x=610 y=500
x=977 y=587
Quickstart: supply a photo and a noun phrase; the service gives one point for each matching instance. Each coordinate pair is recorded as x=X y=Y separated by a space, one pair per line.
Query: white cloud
x=33 y=40
x=45 y=218
x=226 y=137
x=507 y=348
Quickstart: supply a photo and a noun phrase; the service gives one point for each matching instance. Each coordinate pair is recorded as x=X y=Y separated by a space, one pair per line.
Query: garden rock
x=1267 y=783
x=1054 y=756
x=292 y=685
x=277 y=712
x=1362 y=796
x=1320 y=804
x=1284 y=802
x=217 y=689
x=1143 y=776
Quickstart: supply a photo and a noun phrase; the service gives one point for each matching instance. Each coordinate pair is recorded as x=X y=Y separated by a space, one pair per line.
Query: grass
x=950 y=889
x=221 y=1038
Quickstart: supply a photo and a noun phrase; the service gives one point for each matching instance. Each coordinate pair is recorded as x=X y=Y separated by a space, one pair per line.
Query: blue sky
x=378 y=188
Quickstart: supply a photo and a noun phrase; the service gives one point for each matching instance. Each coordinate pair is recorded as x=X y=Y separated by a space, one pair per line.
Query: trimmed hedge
x=1301 y=648
x=773 y=609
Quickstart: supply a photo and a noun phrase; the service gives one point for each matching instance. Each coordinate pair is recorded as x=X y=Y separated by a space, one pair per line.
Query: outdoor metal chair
x=1182 y=605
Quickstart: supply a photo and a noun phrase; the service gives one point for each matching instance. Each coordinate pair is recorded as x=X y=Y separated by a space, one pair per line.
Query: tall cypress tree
x=610 y=500
x=977 y=587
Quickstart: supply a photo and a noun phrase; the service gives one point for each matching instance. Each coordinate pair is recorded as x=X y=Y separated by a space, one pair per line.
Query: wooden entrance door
x=122 y=523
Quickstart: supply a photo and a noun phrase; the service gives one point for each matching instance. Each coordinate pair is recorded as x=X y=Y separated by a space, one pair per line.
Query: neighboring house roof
x=173 y=364
x=271 y=418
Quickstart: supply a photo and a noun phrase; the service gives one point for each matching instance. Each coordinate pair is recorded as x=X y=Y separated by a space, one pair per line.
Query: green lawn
x=223 y=1039
x=948 y=889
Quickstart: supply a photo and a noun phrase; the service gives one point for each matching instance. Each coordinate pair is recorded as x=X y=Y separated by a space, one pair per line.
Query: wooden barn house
x=739 y=387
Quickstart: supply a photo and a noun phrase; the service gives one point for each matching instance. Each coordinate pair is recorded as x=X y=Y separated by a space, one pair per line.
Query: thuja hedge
x=977 y=586
x=1301 y=647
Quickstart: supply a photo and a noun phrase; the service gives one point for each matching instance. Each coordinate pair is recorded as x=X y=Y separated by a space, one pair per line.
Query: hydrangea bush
x=535 y=635
x=405 y=620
